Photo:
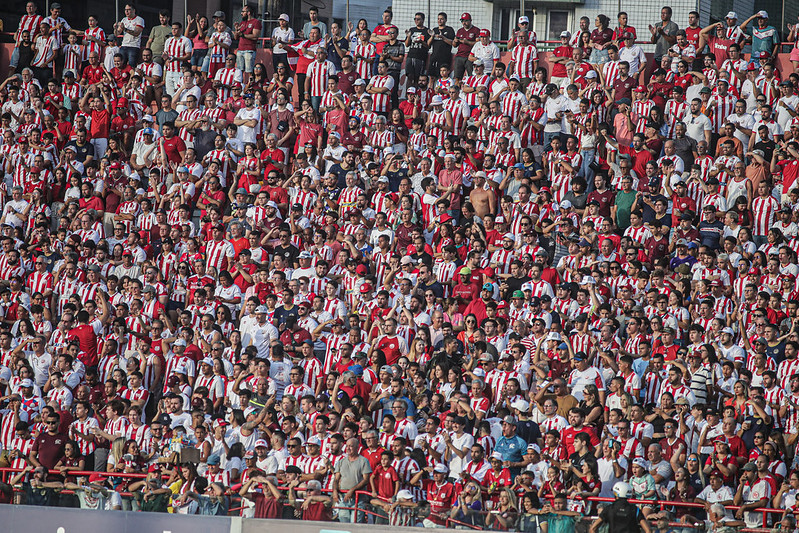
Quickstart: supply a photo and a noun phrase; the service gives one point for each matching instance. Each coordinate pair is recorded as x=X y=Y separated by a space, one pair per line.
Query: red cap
x=35 y=170
x=96 y=477
x=22 y=139
x=365 y=288
x=446 y=217
x=115 y=165
x=490 y=272
x=122 y=102
x=751 y=67
x=640 y=89
x=466 y=16
x=485 y=33
x=361 y=269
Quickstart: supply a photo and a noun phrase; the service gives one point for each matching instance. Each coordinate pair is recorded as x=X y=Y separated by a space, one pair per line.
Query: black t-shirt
x=395 y=177
x=514 y=284
x=776 y=352
x=418 y=47
x=441 y=50
x=82 y=152
x=394 y=50
x=436 y=287
x=621 y=517
x=290 y=253
x=710 y=234
x=332 y=54
x=768 y=148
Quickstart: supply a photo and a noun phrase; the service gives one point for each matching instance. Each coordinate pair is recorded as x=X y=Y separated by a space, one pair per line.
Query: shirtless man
x=482 y=197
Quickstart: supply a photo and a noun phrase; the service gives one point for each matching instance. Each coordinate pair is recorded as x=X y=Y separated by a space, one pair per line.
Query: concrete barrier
x=29 y=519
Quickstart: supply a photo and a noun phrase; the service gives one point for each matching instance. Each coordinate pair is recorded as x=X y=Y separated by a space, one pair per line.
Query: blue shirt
x=512 y=449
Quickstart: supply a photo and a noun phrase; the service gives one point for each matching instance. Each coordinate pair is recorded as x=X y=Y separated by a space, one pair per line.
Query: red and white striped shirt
x=318 y=73
x=381 y=101
x=218 y=254
x=175 y=47
x=524 y=59
x=364 y=66
x=764 y=210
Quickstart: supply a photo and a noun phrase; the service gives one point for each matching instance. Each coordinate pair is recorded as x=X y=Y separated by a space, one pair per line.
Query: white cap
x=728 y=331
x=477 y=62
x=180 y=342
x=524 y=19
x=262 y=309
x=566 y=34
x=404 y=494
x=313 y=440
x=521 y=405
x=732 y=15
x=565 y=204
x=554 y=336
x=640 y=461
x=360 y=81
x=497 y=456
x=527 y=286
x=283 y=16
x=441 y=468
x=26 y=383
x=207 y=361
x=591 y=74
x=271 y=203
x=436 y=100
x=406 y=260
x=762 y=14
x=261 y=443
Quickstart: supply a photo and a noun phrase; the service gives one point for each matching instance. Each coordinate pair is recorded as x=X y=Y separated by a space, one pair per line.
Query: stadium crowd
x=403 y=266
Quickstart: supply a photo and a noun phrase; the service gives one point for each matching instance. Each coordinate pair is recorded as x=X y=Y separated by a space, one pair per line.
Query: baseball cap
x=283 y=16
x=487 y=286
x=509 y=420
x=404 y=494
x=261 y=443
x=524 y=20
x=731 y=15
x=441 y=468
x=467 y=16
x=436 y=100
x=566 y=34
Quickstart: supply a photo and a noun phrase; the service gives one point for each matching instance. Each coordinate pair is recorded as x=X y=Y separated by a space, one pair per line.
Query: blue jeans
x=14 y=58
x=316 y=101
x=245 y=60
x=131 y=53
x=585 y=168
x=346 y=516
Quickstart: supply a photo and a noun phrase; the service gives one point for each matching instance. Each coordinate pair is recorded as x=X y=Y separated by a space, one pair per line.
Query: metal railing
x=7 y=473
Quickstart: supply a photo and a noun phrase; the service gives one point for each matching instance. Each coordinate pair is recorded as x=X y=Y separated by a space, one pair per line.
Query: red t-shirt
x=101 y=123
x=441 y=499
x=174 y=146
x=462 y=35
x=248 y=26
x=49 y=448
x=385 y=481
x=390 y=347
x=88 y=344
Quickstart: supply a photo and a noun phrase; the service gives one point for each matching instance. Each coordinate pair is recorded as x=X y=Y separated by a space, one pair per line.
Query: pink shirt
x=447 y=178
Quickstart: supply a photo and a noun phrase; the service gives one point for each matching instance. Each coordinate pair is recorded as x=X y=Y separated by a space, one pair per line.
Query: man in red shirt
x=559 y=57
x=123 y=123
x=247 y=32
x=173 y=146
x=48 y=448
x=465 y=39
x=465 y=291
x=93 y=72
x=440 y=495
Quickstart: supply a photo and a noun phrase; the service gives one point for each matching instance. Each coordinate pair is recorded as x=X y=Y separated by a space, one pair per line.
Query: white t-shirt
x=286 y=35
x=246 y=134
x=131 y=24
x=488 y=54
